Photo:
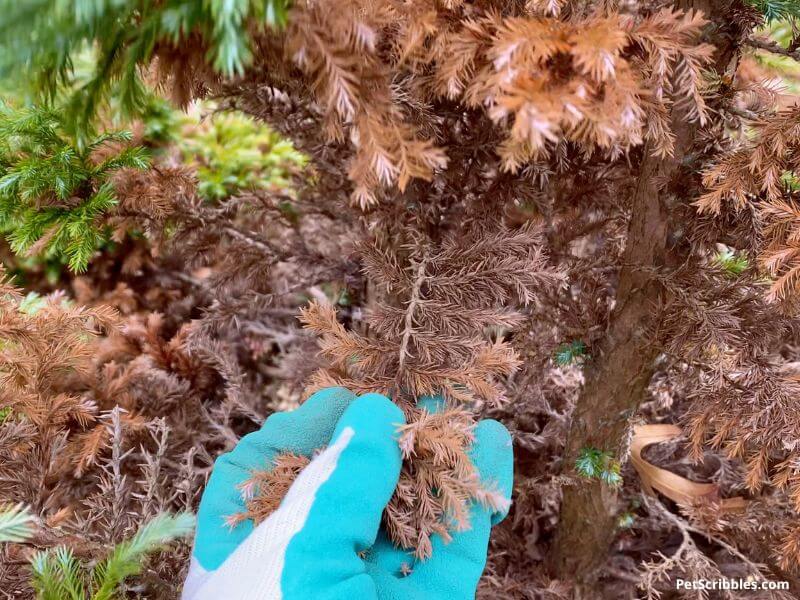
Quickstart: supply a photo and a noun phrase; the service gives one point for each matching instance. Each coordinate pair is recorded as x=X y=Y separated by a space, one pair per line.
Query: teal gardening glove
x=325 y=540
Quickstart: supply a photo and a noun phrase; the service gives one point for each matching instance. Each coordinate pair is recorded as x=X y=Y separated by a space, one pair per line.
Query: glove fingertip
x=302 y=430
x=377 y=419
x=330 y=397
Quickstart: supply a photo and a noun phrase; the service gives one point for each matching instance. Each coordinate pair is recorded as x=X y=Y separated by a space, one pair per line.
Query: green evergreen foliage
x=58 y=575
x=776 y=10
x=160 y=122
x=732 y=263
x=32 y=303
x=53 y=189
x=598 y=464
x=567 y=354
x=15 y=522
x=125 y=34
x=626 y=520
x=232 y=153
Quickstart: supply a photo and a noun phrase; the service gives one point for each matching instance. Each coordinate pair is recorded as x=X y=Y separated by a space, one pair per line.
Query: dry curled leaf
x=673 y=486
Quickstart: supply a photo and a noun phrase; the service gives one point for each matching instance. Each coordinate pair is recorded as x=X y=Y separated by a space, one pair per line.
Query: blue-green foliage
x=567 y=354
x=40 y=39
x=16 y=522
x=33 y=302
x=776 y=10
x=626 y=520
x=52 y=191
x=598 y=464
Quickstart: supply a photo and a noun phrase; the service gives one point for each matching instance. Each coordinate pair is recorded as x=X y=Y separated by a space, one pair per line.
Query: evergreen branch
x=15 y=523
x=127 y=557
x=408 y=327
x=777 y=10
x=52 y=194
x=57 y=575
x=730 y=262
x=109 y=136
x=127 y=35
x=567 y=354
x=134 y=158
x=773 y=47
x=593 y=463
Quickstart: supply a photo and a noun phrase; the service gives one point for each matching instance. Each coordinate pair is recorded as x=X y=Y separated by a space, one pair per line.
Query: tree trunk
x=617 y=379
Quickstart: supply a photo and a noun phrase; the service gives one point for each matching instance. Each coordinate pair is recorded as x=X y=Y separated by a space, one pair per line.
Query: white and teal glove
x=324 y=541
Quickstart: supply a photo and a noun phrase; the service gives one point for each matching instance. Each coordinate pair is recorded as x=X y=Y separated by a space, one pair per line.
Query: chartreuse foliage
x=232 y=152
x=41 y=39
x=160 y=122
x=732 y=263
x=58 y=575
x=53 y=189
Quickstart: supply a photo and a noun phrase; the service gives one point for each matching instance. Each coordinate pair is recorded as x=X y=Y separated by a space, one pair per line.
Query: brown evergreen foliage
x=753 y=175
x=432 y=340
x=570 y=216
x=42 y=350
x=602 y=81
x=265 y=490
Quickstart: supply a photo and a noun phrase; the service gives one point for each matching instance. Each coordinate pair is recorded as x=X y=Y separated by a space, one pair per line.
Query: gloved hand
x=324 y=542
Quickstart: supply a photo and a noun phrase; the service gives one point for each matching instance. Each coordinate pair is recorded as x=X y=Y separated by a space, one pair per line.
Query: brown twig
x=773 y=47
x=408 y=327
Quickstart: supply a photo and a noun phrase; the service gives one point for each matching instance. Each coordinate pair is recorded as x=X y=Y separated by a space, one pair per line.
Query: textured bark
x=617 y=379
